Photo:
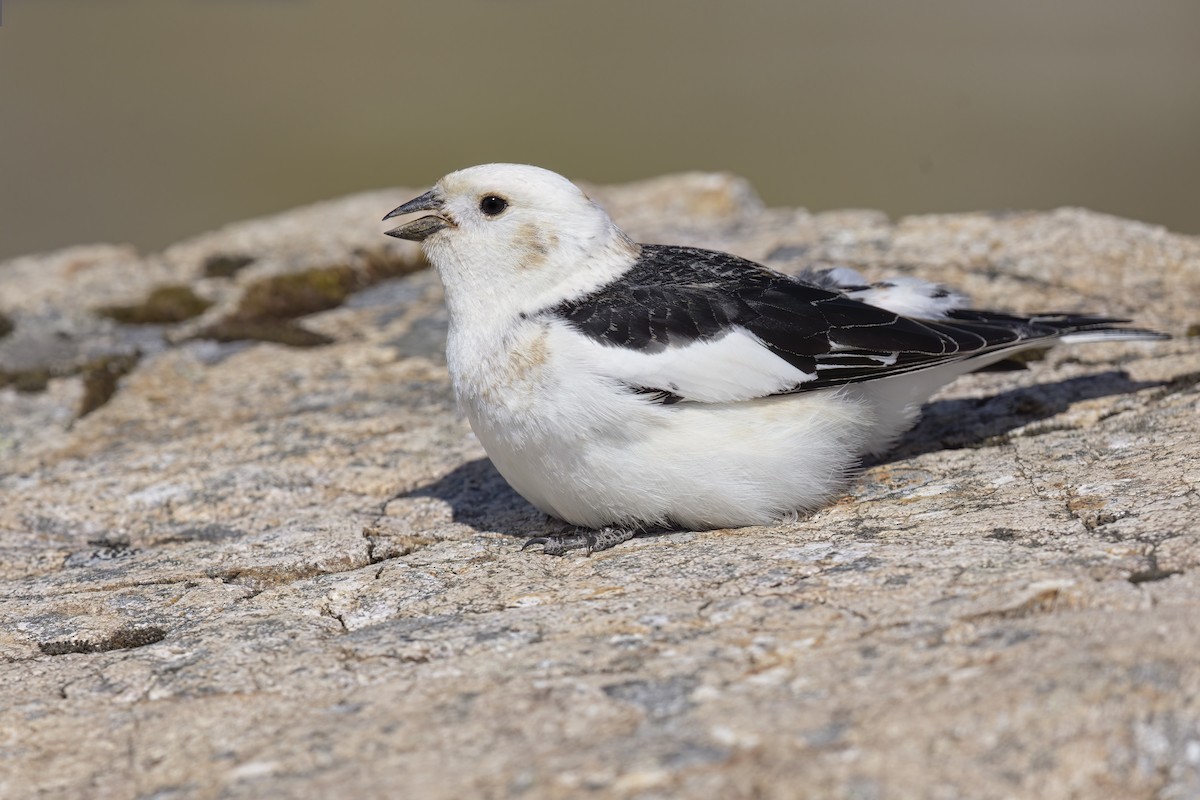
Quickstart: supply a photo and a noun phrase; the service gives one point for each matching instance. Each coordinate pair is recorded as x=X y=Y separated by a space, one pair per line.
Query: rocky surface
x=248 y=547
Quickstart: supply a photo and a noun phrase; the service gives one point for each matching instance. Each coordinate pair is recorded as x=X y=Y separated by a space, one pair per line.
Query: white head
x=512 y=238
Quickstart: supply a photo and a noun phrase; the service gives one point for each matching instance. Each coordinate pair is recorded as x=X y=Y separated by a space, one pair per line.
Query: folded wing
x=692 y=324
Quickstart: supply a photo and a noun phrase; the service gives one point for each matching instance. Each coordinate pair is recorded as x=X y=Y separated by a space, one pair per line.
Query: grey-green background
x=144 y=121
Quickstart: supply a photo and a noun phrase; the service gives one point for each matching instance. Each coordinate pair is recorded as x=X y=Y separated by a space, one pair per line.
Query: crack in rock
x=120 y=639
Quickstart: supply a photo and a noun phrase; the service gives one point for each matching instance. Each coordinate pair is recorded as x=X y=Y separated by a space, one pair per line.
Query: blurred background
x=144 y=121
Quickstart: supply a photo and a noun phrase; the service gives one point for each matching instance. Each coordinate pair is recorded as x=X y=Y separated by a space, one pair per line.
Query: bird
x=625 y=387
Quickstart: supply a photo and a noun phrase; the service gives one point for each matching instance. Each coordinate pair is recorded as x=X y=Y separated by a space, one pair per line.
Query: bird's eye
x=493 y=205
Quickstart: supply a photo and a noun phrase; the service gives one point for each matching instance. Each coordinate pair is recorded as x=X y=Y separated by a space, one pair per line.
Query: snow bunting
x=624 y=387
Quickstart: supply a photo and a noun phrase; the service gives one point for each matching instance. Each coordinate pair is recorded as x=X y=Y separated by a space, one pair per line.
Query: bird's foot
x=592 y=541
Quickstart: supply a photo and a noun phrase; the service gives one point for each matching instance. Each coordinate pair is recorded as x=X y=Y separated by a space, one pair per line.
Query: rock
x=257 y=569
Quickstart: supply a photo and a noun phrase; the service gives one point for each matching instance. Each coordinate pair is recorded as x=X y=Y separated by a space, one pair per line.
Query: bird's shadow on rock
x=975 y=421
x=479 y=496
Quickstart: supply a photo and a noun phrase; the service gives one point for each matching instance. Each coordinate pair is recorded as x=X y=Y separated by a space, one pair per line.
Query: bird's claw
x=589 y=540
x=562 y=543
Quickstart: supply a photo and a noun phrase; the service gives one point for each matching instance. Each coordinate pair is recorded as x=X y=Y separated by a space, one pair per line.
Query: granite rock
x=254 y=568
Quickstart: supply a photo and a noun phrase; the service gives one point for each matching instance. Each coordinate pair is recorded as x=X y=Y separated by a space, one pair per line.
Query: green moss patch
x=268 y=307
x=226 y=265
x=283 y=332
x=163 y=306
x=295 y=294
x=30 y=380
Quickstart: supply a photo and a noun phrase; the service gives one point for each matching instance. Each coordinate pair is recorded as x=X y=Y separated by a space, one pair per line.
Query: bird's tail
x=1066 y=328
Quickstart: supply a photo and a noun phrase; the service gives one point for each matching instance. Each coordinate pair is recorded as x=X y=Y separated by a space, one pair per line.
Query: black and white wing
x=692 y=324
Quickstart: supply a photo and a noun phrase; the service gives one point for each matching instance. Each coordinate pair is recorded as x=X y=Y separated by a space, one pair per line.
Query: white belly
x=593 y=453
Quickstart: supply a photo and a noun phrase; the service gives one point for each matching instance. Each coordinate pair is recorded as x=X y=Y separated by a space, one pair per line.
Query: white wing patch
x=737 y=366
x=911 y=297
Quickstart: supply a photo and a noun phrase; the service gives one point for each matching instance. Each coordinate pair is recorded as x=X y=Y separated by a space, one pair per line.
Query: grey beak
x=420 y=229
